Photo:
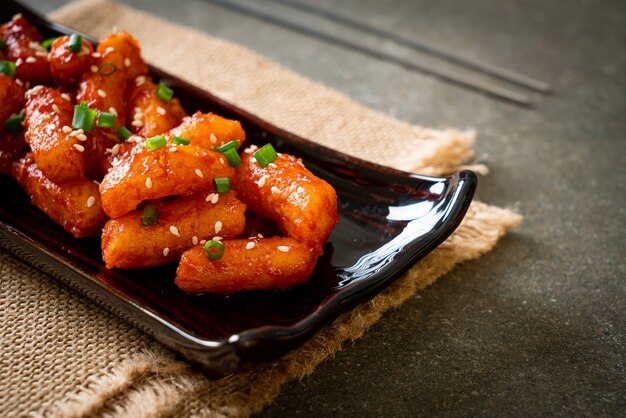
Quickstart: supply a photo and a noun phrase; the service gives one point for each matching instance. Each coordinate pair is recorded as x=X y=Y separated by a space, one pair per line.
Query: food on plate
x=161 y=231
x=105 y=150
x=75 y=205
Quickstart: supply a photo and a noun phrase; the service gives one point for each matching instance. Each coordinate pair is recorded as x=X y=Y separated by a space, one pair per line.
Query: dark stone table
x=536 y=327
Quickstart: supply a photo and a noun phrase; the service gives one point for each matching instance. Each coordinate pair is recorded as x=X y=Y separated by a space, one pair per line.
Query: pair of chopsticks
x=442 y=73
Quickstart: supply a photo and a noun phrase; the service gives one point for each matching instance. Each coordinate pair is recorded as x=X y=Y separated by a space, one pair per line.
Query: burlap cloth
x=63 y=356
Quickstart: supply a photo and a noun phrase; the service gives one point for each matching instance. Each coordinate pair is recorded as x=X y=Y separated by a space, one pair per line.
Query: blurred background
x=535 y=327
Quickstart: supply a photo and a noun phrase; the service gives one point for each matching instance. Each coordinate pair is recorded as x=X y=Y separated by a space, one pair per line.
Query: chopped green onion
x=221 y=184
x=76 y=43
x=180 y=141
x=164 y=92
x=233 y=157
x=7 y=68
x=14 y=124
x=227 y=146
x=3 y=45
x=211 y=255
x=265 y=155
x=155 y=142
x=150 y=216
x=107 y=69
x=84 y=117
x=106 y=120
x=48 y=43
x=123 y=133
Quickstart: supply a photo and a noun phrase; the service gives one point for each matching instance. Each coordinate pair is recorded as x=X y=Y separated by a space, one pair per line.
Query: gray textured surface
x=536 y=327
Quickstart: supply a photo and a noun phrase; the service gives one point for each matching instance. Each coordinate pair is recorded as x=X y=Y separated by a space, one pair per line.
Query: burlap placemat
x=63 y=356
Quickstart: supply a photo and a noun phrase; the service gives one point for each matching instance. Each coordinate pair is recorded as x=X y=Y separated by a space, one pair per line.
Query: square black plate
x=388 y=221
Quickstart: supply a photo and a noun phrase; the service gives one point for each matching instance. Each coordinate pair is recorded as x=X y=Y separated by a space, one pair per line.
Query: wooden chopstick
x=433 y=70
x=421 y=46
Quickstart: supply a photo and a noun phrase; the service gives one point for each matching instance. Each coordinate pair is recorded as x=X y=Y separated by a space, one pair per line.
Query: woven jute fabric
x=63 y=356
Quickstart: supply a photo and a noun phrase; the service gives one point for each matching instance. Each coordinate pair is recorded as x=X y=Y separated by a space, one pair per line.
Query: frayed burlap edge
x=155 y=384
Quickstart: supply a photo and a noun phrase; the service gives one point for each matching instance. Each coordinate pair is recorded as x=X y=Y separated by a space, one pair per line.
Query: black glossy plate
x=388 y=221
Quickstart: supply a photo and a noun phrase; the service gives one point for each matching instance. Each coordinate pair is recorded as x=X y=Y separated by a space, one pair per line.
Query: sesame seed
x=194 y=240
x=81 y=137
x=51 y=126
x=127 y=62
x=94 y=68
x=137 y=123
x=250 y=245
x=115 y=149
x=112 y=110
x=41 y=54
x=140 y=80
x=262 y=180
x=218 y=227
x=35 y=89
x=116 y=162
x=283 y=248
x=66 y=129
x=90 y=201
x=172 y=149
x=96 y=182
x=213 y=197
x=137 y=109
x=138 y=115
x=131 y=140
x=259 y=235
x=275 y=190
x=77 y=132
x=149 y=183
x=222 y=161
x=160 y=110
x=96 y=55
x=213 y=138
x=166 y=251
x=31 y=60
x=253 y=160
x=102 y=93
x=301 y=163
x=217 y=238
x=19 y=82
x=45 y=117
x=65 y=96
x=273 y=165
x=174 y=231
x=202 y=242
x=33 y=45
x=109 y=49
x=199 y=173
x=56 y=108
x=79 y=147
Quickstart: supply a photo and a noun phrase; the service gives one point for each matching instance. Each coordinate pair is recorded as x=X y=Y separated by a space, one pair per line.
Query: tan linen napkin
x=63 y=356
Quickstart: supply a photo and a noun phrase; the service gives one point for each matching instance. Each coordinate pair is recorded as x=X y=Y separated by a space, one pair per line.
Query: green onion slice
x=155 y=142
x=76 y=43
x=84 y=117
x=227 y=146
x=123 y=133
x=106 y=120
x=7 y=68
x=221 y=184
x=48 y=43
x=107 y=69
x=3 y=45
x=214 y=250
x=180 y=141
x=150 y=216
x=14 y=124
x=233 y=157
x=164 y=92
x=266 y=155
